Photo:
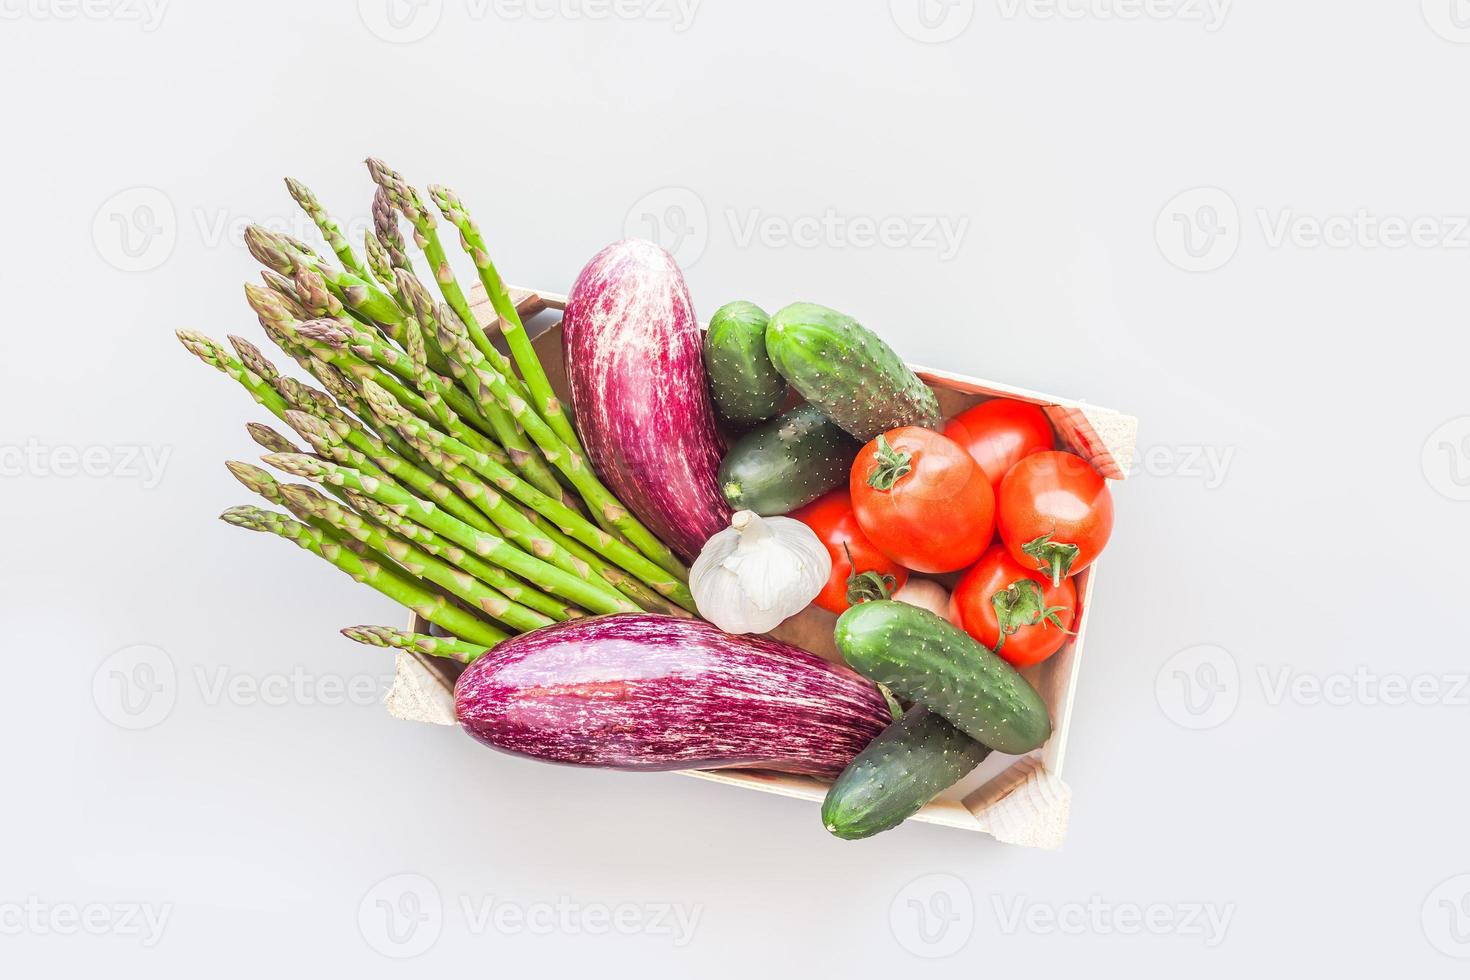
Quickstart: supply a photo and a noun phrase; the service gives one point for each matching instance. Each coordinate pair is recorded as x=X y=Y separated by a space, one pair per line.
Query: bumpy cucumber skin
x=914 y=760
x=746 y=386
x=925 y=659
x=841 y=367
x=787 y=463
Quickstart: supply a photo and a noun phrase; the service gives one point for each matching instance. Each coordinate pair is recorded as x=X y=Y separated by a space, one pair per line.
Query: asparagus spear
x=252 y=357
x=606 y=509
x=365 y=354
x=269 y=439
x=380 y=267
x=295 y=396
x=385 y=227
x=430 y=313
x=292 y=394
x=511 y=326
x=626 y=583
x=430 y=605
x=285 y=288
x=416 y=562
x=431 y=385
x=326 y=441
x=315 y=297
x=401 y=196
x=351 y=399
x=595 y=597
x=426 y=236
x=430 y=646
x=450 y=457
x=277 y=320
x=321 y=303
x=439 y=547
x=523 y=455
x=510 y=520
x=215 y=356
x=301 y=249
x=276 y=253
x=329 y=228
x=257 y=481
x=297 y=352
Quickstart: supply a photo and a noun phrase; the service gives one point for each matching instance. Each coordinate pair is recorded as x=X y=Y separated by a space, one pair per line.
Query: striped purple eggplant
x=635 y=364
x=638 y=691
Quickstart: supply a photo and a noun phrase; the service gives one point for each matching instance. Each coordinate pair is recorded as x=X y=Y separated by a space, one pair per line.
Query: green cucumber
x=922 y=658
x=746 y=387
x=841 y=367
x=914 y=760
x=787 y=463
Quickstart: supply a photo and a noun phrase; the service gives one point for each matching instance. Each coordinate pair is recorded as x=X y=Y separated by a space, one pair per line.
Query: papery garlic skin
x=758 y=572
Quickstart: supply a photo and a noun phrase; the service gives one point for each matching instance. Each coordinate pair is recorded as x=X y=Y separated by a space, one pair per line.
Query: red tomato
x=999 y=433
x=831 y=518
x=1013 y=609
x=1055 y=513
x=922 y=500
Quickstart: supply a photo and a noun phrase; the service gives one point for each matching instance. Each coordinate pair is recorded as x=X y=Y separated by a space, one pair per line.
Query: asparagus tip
x=373 y=636
x=248 y=516
x=247 y=472
x=269 y=439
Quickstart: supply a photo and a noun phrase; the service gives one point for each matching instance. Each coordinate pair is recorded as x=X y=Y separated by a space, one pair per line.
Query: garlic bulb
x=758 y=572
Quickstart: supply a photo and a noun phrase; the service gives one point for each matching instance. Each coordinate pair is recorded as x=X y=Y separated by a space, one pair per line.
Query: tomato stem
x=892 y=465
x=1022 y=604
x=1052 y=557
x=867 y=586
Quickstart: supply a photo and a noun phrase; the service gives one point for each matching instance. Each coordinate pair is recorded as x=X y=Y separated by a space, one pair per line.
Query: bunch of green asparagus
x=455 y=482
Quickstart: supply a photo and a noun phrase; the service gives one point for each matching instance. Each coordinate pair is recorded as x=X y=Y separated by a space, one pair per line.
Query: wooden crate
x=1020 y=800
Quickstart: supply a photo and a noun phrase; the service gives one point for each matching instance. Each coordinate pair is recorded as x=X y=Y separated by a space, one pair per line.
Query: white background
x=1299 y=512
